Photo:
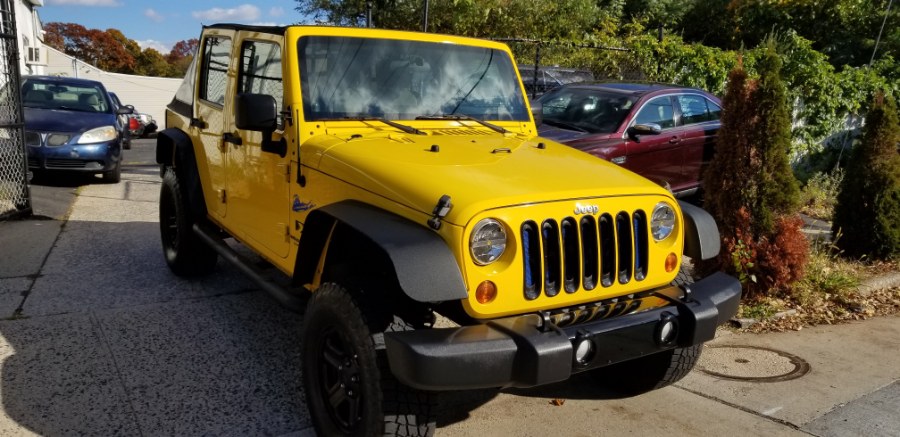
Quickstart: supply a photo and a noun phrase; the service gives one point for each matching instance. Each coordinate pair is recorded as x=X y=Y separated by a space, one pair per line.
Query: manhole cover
x=751 y=363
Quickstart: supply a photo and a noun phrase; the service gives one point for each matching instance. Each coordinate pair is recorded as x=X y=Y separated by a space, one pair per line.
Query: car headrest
x=88 y=99
x=38 y=96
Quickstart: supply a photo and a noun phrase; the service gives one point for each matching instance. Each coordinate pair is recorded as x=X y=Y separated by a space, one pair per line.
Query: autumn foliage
x=112 y=51
x=749 y=187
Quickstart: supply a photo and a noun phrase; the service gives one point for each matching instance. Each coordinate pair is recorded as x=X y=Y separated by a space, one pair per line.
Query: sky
x=162 y=23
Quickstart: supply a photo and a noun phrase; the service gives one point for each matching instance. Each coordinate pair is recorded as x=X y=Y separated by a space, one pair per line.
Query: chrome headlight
x=662 y=223
x=98 y=135
x=488 y=241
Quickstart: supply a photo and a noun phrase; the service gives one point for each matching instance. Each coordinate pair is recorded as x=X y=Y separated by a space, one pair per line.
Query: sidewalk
x=98 y=338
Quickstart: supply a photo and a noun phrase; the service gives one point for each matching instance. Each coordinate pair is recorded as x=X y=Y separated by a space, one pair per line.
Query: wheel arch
x=174 y=149
x=418 y=259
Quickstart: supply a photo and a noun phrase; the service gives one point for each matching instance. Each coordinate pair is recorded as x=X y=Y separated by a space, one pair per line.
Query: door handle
x=674 y=140
x=229 y=137
x=198 y=123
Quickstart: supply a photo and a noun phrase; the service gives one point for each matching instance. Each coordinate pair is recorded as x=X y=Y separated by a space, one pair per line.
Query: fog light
x=486 y=292
x=667 y=329
x=584 y=351
x=671 y=262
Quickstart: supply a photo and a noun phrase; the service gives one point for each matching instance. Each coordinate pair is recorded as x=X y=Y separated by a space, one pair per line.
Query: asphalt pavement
x=97 y=337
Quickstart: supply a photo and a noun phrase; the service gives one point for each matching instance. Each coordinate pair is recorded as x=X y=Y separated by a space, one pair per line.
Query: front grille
x=32 y=139
x=66 y=163
x=583 y=253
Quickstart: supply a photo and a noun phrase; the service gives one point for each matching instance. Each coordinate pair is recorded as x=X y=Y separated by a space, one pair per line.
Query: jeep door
x=656 y=157
x=258 y=181
x=208 y=122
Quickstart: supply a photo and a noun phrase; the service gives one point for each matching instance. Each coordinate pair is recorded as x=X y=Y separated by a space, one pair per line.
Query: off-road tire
x=649 y=373
x=653 y=371
x=115 y=175
x=343 y=343
x=185 y=253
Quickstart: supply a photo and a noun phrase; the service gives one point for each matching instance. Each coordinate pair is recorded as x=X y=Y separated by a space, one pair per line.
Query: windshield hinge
x=440 y=211
x=287 y=116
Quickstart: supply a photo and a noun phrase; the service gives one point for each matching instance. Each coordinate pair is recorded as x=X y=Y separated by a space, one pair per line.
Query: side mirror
x=256 y=112
x=537 y=111
x=125 y=110
x=259 y=112
x=644 y=129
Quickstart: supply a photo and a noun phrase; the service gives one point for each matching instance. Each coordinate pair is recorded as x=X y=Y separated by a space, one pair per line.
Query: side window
x=715 y=112
x=214 y=73
x=261 y=70
x=693 y=109
x=659 y=111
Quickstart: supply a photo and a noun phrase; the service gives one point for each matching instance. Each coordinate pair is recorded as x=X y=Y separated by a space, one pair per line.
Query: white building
x=32 y=54
x=147 y=94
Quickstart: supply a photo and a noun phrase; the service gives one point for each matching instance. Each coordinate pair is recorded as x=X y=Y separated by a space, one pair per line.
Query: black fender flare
x=701 y=234
x=175 y=149
x=423 y=264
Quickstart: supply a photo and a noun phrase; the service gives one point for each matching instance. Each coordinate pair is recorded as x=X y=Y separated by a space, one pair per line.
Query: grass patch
x=818 y=197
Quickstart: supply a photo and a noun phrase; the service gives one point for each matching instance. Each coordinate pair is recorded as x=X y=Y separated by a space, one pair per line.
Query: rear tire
x=349 y=387
x=185 y=253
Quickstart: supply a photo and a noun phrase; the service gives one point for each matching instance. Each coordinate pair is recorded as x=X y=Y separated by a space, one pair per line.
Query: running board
x=285 y=297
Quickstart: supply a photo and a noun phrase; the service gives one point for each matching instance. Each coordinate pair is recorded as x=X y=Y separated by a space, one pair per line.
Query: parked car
x=148 y=124
x=124 y=119
x=549 y=77
x=72 y=125
x=665 y=133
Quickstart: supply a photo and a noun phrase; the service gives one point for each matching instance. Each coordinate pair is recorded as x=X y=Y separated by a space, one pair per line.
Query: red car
x=665 y=133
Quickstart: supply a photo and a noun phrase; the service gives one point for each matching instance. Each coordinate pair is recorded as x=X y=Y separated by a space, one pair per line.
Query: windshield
x=401 y=80
x=589 y=110
x=54 y=95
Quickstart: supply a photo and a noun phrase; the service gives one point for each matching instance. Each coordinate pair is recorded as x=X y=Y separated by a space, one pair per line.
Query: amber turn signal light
x=486 y=292
x=671 y=262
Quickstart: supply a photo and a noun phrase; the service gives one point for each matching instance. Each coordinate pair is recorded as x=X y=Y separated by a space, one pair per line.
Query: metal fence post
x=14 y=195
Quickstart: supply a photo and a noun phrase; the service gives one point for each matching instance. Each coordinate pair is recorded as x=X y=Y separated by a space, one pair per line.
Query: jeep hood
x=478 y=172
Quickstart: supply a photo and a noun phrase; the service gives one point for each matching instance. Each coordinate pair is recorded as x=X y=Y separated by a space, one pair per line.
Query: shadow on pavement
x=110 y=343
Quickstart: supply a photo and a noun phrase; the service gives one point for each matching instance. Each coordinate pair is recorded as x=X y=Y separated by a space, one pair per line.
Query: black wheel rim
x=339 y=380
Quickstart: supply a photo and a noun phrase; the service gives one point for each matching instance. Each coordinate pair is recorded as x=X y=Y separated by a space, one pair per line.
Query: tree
x=563 y=19
x=103 y=49
x=867 y=215
x=181 y=55
x=749 y=187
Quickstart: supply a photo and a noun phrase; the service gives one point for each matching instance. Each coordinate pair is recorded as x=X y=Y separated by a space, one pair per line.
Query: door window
x=261 y=70
x=693 y=109
x=658 y=111
x=214 y=73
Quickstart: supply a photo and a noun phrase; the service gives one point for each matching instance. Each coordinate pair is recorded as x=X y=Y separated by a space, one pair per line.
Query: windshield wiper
x=403 y=127
x=458 y=117
x=564 y=125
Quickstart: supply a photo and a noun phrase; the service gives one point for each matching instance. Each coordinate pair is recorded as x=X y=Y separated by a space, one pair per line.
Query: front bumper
x=517 y=352
x=95 y=158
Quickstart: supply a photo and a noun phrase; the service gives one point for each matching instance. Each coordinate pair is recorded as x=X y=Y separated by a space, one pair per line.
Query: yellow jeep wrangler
x=396 y=183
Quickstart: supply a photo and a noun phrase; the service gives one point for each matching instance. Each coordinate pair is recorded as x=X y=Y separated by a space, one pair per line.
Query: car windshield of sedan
x=585 y=109
x=53 y=95
x=401 y=80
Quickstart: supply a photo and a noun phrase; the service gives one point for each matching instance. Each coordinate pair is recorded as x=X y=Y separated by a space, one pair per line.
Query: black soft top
x=274 y=30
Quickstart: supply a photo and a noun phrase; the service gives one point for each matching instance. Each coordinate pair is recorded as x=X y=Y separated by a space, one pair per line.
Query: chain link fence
x=545 y=65
x=14 y=196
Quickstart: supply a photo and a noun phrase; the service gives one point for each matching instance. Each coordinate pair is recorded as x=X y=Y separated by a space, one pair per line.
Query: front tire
x=115 y=175
x=185 y=253
x=649 y=373
x=349 y=388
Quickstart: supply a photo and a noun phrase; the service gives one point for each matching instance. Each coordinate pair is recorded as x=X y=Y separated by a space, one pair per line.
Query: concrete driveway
x=99 y=338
